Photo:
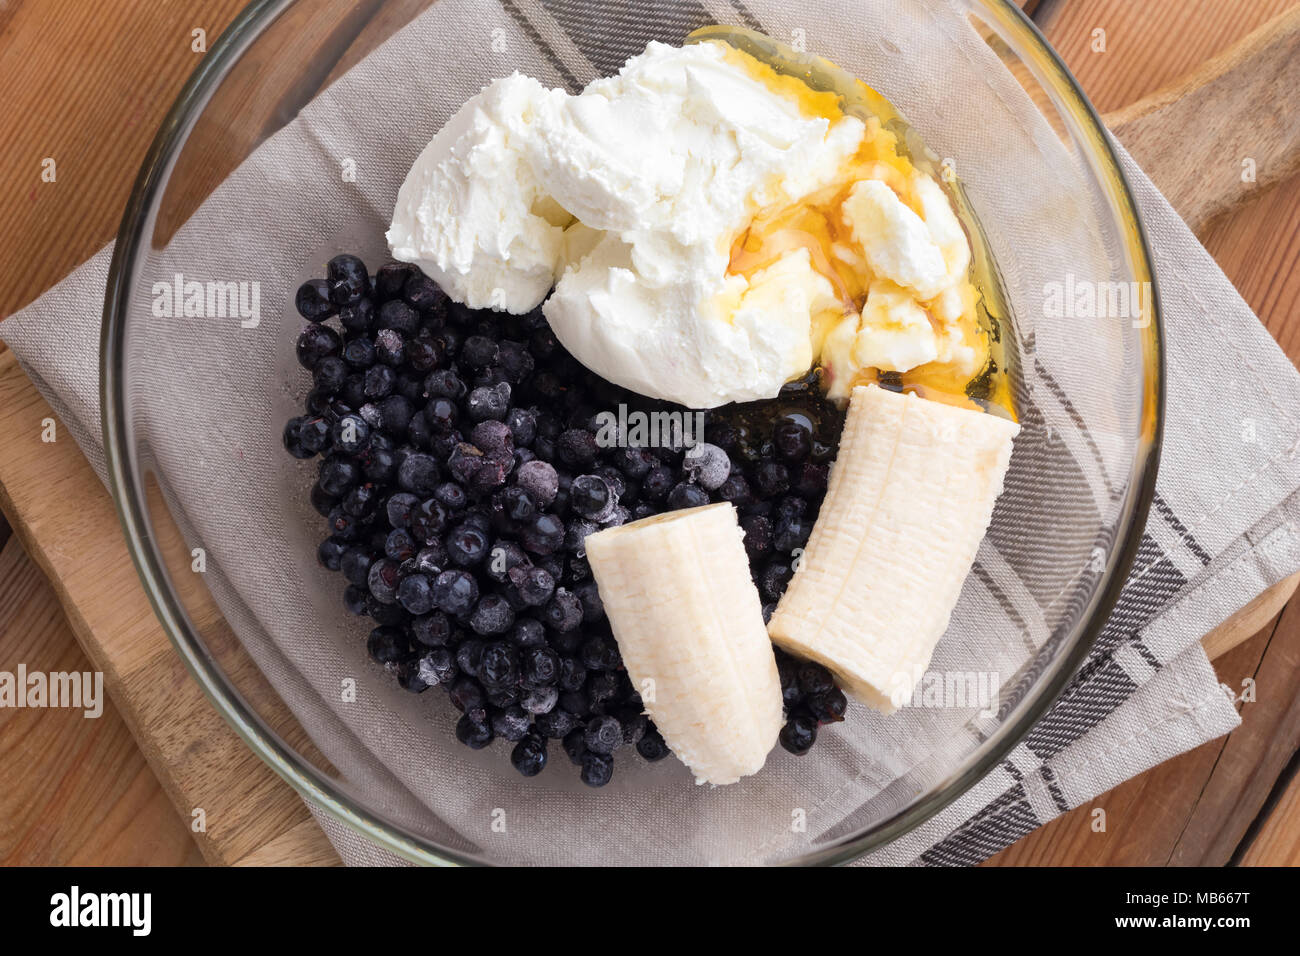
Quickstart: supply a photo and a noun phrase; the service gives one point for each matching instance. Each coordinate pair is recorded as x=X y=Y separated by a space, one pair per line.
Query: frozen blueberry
x=687 y=495
x=431 y=630
x=479 y=351
x=539 y=480
x=772 y=478
x=758 y=535
x=313 y=300
x=603 y=735
x=466 y=694
x=390 y=347
x=451 y=495
x=597 y=769
x=399 y=545
x=330 y=553
x=382 y=580
x=573 y=673
x=348 y=279
x=354 y=599
x=444 y=383
x=529 y=755
x=359 y=353
x=563 y=612
x=577 y=448
x=438 y=667
x=398 y=316
x=773 y=579
x=415 y=594
x=522 y=423
x=814 y=678
x=427 y=522
x=528 y=633
x=556 y=723
x=421 y=292
x=492 y=615
x=489 y=402
x=828 y=706
x=592 y=497
x=467 y=545
x=418 y=474
x=799 y=734
x=329 y=373
x=543 y=535
x=386 y=645
x=657 y=483
x=493 y=438
x=792 y=440
x=540 y=667
x=574 y=746
x=473 y=730
x=651 y=746
x=315 y=343
x=707 y=464
x=540 y=700
x=455 y=592
x=355 y=565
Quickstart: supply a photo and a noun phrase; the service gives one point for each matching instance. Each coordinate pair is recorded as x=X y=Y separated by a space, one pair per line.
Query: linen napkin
x=1222 y=528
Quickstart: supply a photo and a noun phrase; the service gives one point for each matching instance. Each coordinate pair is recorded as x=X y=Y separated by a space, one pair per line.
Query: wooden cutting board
x=66 y=520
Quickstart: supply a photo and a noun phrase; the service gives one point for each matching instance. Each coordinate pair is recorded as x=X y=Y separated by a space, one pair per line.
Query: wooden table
x=87 y=84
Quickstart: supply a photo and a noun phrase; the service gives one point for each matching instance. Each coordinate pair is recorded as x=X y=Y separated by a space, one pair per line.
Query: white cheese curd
x=467 y=213
x=627 y=198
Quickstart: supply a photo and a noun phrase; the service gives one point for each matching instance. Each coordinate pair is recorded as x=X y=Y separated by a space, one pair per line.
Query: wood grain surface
x=96 y=121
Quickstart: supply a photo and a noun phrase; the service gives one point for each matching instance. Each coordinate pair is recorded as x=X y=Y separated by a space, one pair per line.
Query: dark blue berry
x=398 y=316
x=312 y=300
x=386 y=645
x=528 y=633
x=315 y=343
x=455 y=592
x=330 y=553
x=540 y=700
x=489 y=402
x=604 y=735
x=399 y=545
x=418 y=474
x=597 y=769
x=687 y=495
x=529 y=755
x=556 y=723
x=431 y=630
x=799 y=734
x=772 y=478
x=355 y=565
x=382 y=580
x=511 y=723
x=707 y=464
x=541 y=667
x=467 y=545
x=543 y=535
x=466 y=694
x=474 y=731
x=390 y=347
x=814 y=678
x=415 y=594
x=534 y=585
x=828 y=706
x=493 y=615
x=390 y=277
x=359 y=353
x=574 y=745
x=792 y=440
x=337 y=475
x=348 y=279
x=651 y=746
x=438 y=667
x=428 y=521
x=563 y=612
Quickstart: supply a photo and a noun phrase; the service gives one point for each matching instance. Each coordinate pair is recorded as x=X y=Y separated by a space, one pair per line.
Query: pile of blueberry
x=460 y=474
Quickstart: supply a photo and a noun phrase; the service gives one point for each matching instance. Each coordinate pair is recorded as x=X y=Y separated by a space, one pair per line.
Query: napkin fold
x=1222 y=528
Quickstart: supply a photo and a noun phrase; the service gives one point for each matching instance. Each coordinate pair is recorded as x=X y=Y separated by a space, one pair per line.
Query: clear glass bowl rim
x=129 y=493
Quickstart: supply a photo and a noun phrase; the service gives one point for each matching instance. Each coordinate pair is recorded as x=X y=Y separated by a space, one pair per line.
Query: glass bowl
x=268 y=164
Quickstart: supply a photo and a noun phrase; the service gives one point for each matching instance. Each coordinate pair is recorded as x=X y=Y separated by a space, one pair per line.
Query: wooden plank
x=73 y=789
x=199 y=760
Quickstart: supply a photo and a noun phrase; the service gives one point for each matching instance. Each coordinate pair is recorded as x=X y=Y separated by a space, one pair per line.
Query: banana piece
x=689 y=621
x=910 y=497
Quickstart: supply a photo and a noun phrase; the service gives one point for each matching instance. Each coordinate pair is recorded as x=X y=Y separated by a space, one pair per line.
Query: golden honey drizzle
x=815 y=222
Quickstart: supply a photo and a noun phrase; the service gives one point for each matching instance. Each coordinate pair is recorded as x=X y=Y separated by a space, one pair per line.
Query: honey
x=892 y=153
